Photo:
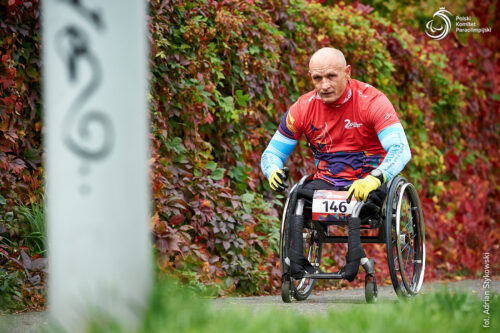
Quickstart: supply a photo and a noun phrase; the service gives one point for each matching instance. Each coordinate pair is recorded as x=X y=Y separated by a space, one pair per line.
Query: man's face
x=330 y=80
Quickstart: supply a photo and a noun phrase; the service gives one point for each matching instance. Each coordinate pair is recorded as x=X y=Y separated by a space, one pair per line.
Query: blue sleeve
x=276 y=153
x=393 y=140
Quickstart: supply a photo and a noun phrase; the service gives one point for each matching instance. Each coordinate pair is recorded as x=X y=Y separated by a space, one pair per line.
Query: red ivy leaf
x=173 y=244
x=161 y=245
x=177 y=219
x=11 y=135
x=208 y=119
x=17 y=165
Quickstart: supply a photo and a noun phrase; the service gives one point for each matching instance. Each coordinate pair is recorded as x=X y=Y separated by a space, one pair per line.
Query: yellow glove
x=362 y=187
x=278 y=178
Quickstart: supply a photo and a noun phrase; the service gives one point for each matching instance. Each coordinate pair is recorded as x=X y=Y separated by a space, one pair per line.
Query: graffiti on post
x=82 y=121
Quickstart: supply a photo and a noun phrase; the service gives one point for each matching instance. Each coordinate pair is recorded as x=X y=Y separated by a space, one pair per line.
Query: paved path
x=322 y=301
x=28 y=322
x=318 y=302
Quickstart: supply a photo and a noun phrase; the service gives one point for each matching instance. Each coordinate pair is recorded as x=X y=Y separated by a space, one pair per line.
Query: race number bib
x=331 y=206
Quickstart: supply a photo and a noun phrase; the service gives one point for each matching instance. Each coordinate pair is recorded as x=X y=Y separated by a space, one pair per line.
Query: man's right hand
x=278 y=180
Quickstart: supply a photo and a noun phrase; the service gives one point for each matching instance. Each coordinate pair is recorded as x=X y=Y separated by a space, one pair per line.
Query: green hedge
x=223 y=74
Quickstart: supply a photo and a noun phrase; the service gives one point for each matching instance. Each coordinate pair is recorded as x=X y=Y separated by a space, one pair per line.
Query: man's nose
x=325 y=83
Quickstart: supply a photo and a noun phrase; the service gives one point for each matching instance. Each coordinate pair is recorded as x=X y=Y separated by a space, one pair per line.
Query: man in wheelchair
x=357 y=141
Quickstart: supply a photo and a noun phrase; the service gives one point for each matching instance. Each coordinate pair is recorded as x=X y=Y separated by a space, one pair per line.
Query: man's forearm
x=393 y=140
x=276 y=153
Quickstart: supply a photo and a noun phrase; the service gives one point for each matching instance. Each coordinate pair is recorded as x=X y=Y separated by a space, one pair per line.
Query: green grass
x=34 y=235
x=173 y=309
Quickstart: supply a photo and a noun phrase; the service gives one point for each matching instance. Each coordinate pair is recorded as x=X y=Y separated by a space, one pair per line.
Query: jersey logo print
x=323 y=139
x=314 y=129
x=290 y=122
x=350 y=125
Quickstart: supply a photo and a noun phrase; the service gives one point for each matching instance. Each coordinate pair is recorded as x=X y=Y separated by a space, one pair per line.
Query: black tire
x=302 y=288
x=391 y=239
x=286 y=292
x=411 y=239
x=371 y=291
x=405 y=238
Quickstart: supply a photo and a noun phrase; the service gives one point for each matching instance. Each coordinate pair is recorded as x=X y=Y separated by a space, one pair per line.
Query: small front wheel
x=286 y=292
x=371 y=291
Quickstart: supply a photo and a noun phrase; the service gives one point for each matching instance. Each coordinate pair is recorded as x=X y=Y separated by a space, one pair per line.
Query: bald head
x=329 y=73
x=327 y=56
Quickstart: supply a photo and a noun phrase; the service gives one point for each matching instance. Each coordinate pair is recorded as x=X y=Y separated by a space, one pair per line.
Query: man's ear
x=348 y=71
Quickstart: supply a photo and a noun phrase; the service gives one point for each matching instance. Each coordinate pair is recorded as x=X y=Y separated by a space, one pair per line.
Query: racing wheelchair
x=399 y=224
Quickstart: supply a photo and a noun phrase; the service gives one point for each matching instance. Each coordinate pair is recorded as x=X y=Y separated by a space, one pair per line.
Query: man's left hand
x=361 y=188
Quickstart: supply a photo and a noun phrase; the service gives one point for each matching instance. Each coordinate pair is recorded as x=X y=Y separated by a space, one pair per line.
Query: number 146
x=333 y=206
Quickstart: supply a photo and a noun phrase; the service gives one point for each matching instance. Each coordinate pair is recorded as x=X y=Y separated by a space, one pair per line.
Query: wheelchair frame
x=392 y=213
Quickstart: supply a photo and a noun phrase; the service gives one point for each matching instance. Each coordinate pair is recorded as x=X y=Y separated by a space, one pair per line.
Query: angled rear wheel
x=410 y=234
x=405 y=238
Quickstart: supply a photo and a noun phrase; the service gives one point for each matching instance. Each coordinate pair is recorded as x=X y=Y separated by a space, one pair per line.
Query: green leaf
x=2 y=200
x=32 y=72
x=248 y=197
x=32 y=155
x=211 y=165
x=241 y=98
x=9 y=216
x=253 y=49
x=218 y=173
x=180 y=159
x=495 y=97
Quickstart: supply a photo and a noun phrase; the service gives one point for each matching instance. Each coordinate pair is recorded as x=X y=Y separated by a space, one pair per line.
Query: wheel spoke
x=408 y=214
x=406 y=245
x=404 y=225
x=404 y=212
x=410 y=281
x=395 y=258
x=406 y=261
x=413 y=234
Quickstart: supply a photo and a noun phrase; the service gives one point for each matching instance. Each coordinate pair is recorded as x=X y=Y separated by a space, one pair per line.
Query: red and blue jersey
x=343 y=135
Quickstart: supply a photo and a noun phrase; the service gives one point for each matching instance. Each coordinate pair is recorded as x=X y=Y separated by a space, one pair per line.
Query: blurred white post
x=96 y=140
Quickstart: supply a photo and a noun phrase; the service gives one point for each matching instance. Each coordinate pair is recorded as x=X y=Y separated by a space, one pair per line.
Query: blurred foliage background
x=223 y=74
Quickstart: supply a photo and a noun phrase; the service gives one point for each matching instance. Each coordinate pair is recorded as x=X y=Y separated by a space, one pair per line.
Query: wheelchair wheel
x=371 y=291
x=405 y=236
x=299 y=289
x=302 y=288
x=286 y=292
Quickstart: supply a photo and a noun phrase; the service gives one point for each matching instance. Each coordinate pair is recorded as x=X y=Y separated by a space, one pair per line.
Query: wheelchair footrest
x=324 y=276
